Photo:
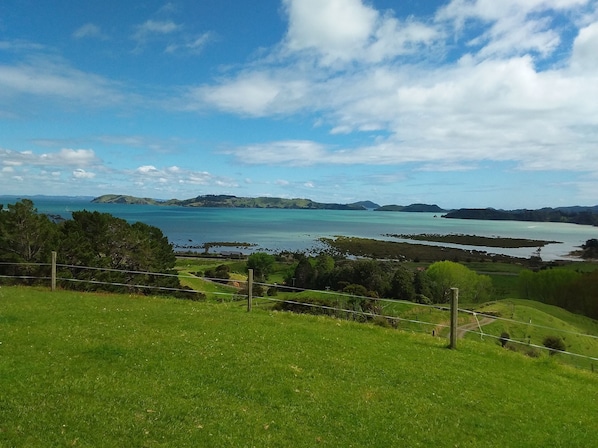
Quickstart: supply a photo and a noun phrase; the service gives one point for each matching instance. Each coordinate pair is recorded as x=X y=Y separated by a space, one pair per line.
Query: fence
x=446 y=326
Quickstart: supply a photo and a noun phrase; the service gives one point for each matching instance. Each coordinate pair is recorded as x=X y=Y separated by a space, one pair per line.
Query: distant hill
x=230 y=201
x=366 y=204
x=411 y=208
x=573 y=215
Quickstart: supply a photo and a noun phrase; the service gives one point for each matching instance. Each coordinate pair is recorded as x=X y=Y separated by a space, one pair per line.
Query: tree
x=304 y=274
x=131 y=254
x=402 y=284
x=445 y=275
x=261 y=263
x=26 y=238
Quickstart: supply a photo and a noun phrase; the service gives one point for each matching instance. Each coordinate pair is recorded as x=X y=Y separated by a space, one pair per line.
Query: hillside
x=574 y=215
x=231 y=202
x=108 y=370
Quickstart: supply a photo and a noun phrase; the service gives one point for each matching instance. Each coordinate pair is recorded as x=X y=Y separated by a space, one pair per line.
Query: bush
x=504 y=338
x=554 y=343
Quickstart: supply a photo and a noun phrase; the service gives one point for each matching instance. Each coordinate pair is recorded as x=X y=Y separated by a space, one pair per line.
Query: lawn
x=103 y=370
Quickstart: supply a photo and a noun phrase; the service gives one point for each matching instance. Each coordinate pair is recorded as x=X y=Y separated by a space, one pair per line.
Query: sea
x=276 y=230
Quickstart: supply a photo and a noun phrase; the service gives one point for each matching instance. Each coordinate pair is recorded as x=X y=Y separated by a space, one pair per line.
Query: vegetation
x=233 y=201
x=590 y=249
x=81 y=369
x=475 y=240
x=444 y=275
x=574 y=215
x=125 y=253
x=372 y=248
x=261 y=263
x=565 y=288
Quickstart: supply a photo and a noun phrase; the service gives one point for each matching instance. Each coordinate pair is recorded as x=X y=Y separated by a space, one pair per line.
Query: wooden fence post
x=53 y=270
x=249 y=288
x=454 y=315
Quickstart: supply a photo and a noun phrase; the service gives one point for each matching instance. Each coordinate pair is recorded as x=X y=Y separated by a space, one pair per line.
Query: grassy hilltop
x=98 y=370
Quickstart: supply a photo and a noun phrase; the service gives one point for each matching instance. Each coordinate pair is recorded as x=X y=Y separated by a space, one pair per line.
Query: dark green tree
x=129 y=254
x=402 y=284
x=26 y=239
x=261 y=263
x=422 y=287
x=304 y=275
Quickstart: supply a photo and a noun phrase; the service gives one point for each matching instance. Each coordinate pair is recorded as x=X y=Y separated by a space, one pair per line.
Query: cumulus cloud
x=82 y=174
x=585 y=49
x=256 y=93
x=492 y=104
x=340 y=31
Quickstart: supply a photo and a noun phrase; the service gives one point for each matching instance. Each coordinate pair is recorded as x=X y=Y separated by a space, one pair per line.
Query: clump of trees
x=374 y=278
x=94 y=251
x=565 y=288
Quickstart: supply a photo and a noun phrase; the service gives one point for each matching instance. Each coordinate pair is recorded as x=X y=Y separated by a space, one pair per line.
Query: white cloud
x=69 y=157
x=154 y=27
x=82 y=174
x=585 y=49
x=89 y=30
x=341 y=31
x=149 y=175
x=64 y=157
x=335 y=28
x=254 y=93
x=49 y=78
x=193 y=45
x=147 y=170
x=515 y=26
x=493 y=104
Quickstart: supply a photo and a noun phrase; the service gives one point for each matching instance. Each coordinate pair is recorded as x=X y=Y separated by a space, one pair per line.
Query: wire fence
x=401 y=314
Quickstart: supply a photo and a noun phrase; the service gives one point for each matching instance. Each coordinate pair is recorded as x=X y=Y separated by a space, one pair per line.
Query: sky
x=460 y=103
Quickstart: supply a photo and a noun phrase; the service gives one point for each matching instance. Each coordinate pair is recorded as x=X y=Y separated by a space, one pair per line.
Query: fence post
x=53 y=270
x=454 y=314
x=249 y=288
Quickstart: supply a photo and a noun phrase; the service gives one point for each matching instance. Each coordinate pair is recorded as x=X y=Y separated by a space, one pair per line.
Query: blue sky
x=462 y=103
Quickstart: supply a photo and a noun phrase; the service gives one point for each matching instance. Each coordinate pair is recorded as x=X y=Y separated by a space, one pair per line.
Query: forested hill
x=573 y=215
x=235 y=202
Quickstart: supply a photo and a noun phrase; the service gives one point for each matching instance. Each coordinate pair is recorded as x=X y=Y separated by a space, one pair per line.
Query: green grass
x=94 y=370
x=535 y=321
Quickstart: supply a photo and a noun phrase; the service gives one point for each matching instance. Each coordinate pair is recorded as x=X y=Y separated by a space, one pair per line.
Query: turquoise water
x=276 y=229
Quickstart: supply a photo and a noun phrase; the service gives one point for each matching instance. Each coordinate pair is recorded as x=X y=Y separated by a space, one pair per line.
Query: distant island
x=572 y=215
x=421 y=208
x=229 y=201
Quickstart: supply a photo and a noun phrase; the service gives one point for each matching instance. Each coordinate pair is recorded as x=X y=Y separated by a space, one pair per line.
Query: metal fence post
x=454 y=315
x=249 y=288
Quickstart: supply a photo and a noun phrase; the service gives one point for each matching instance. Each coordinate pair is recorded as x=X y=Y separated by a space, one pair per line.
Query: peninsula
x=229 y=201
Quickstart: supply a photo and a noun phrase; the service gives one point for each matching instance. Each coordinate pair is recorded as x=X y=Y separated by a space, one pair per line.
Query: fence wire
x=334 y=309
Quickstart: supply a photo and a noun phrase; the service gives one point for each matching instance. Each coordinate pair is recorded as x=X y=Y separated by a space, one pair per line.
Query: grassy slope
x=545 y=320
x=106 y=370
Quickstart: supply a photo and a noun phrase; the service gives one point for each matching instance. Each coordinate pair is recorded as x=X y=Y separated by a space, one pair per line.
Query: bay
x=299 y=230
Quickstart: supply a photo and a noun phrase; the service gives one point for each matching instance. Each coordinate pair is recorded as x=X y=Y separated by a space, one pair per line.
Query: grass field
x=100 y=370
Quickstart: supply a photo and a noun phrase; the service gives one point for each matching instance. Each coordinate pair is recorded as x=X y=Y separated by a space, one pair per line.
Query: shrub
x=554 y=343
x=504 y=338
